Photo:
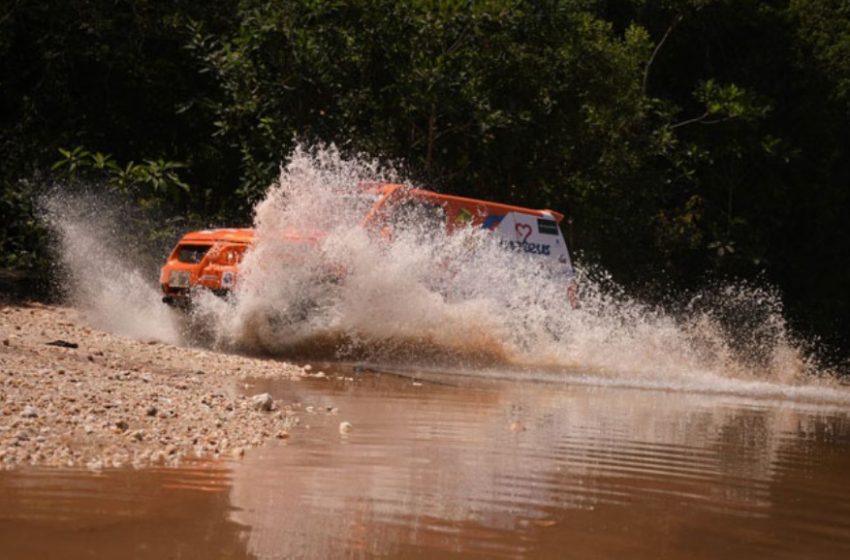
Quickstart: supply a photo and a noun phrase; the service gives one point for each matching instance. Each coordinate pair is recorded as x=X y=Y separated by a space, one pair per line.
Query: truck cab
x=204 y=259
x=210 y=259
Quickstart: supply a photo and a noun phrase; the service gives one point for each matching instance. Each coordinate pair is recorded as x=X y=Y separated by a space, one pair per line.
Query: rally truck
x=207 y=259
x=210 y=259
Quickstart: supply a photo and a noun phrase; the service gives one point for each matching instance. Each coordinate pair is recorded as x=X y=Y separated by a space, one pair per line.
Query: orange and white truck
x=210 y=259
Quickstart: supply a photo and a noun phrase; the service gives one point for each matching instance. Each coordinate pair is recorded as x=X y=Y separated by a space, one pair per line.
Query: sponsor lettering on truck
x=210 y=259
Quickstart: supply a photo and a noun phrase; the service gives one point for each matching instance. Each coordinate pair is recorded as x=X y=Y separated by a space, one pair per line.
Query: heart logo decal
x=523 y=231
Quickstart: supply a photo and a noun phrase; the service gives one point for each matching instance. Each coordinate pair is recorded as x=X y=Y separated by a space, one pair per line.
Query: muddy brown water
x=447 y=466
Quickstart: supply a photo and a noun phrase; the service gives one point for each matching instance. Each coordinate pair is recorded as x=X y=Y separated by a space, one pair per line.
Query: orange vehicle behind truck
x=210 y=259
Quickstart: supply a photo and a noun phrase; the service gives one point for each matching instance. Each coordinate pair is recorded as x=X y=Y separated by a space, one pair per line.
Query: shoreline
x=115 y=402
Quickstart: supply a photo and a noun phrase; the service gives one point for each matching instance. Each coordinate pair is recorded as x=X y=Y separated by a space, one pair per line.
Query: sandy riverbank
x=115 y=401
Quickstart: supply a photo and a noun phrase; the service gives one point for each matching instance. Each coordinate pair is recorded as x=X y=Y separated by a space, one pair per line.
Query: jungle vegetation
x=685 y=139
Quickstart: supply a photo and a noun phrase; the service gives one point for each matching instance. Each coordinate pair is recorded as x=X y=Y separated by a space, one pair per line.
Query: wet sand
x=113 y=401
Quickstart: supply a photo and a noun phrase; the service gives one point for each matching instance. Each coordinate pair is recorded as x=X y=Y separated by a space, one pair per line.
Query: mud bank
x=113 y=401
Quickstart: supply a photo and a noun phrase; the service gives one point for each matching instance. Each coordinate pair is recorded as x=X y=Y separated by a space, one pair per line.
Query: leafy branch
x=156 y=176
x=723 y=103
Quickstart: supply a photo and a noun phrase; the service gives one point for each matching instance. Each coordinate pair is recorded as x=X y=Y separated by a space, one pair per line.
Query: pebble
x=29 y=412
x=262 y=402
x=517 y=426
x=345 y=427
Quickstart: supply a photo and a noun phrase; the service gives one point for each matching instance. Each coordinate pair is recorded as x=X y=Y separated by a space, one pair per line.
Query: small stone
x=345 y=427
x=237 y=452
x=151 y=411
x=517 y=426
x=122 y=425
x=283 y=434
x=6 y=342
x=63 y=344
x=29 y=412
x=262 y=402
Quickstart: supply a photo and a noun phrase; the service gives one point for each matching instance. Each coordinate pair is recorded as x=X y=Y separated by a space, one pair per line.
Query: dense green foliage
x=685 y=138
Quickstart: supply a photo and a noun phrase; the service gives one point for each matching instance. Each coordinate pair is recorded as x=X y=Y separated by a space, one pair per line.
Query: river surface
x=457 y=466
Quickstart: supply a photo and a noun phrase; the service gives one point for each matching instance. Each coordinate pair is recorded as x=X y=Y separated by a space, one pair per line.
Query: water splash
x=317 y=281
x=104 y=267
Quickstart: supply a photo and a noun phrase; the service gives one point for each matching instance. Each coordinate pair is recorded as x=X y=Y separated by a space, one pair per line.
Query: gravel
x=118 y=402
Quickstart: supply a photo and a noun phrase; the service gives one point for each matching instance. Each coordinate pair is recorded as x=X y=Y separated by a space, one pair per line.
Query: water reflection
x=487 y=469
x=491 y=469
x=158 y=513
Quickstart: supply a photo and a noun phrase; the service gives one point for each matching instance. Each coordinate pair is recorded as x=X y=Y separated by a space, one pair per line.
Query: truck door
x=535 y=235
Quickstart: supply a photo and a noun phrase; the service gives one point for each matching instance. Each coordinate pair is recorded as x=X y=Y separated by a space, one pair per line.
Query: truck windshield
x=192 y=254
